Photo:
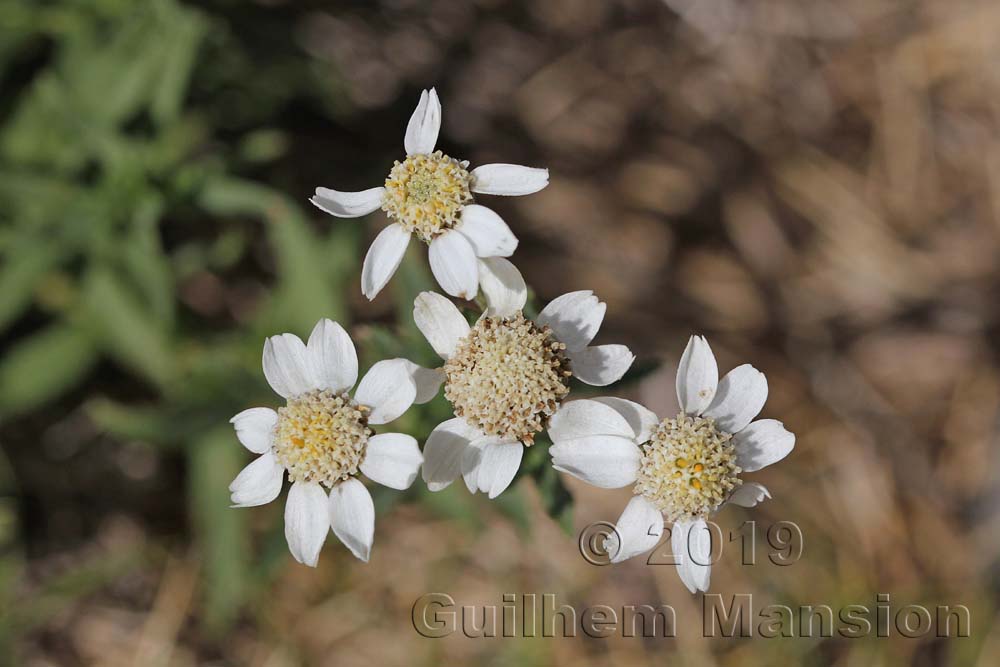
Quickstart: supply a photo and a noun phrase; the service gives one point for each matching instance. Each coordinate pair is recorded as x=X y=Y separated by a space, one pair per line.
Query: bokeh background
x=815 y=186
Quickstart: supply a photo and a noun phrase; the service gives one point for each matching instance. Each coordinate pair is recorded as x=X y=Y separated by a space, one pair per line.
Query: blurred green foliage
x=116 y=189
x=135 y=147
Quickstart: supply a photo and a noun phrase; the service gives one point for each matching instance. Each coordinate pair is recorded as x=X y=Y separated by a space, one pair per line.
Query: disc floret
x=507 y=377
x=688 y=467
x=425 y=193
x=321 y=437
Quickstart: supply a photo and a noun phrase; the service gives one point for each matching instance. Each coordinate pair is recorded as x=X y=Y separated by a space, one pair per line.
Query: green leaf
x=147 y=266
x=264 y=145
x=511 y=503
x=311 y=273
x=412 y=278
x=184 y=34
x=556 y=498
x=8 y=512
x=102 y=79
x=23 y=267
x=453 y=503
x=214 y=460
x=44 y=366
x=306 y=289
x=126 y=422
x=126 y=331
x=230 y=196
x=41 y=127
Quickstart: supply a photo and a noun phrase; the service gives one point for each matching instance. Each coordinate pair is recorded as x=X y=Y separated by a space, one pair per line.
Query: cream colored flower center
x=688 y=467
x=507 y=377
x=321 y=437
x=425 y=193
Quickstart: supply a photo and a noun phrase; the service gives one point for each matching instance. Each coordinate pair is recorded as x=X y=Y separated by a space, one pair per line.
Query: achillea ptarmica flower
x=430 y=195
x=684 y=468
x=506 y=375
x=323 y=437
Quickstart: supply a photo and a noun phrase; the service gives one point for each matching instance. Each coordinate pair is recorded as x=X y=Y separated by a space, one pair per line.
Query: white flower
x=684 y=469
x=506 y=375
x=430 y=194
x=321 y=438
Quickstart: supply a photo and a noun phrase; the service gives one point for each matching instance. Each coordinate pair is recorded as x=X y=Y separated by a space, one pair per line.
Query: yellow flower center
x=321 y=437
x=507 y=377
x=425 y=193
x=688 y=467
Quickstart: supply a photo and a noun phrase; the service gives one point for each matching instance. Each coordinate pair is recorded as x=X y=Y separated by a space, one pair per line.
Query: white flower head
x=507 y=375
x=430 y=195
x=323 y=437
x=684 y=469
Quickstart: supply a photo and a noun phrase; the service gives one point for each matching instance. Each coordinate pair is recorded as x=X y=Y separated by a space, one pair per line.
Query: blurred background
x=815 y=186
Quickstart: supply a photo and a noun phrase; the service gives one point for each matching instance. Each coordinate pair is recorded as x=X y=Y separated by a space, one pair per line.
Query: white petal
x=503 y=286
x=741 y=394
x=691 y=542
x=749 y=494
x=334 y=359
x=579 y=419
x=255 y=428
x=497 y=465
x=383 y=258
x=427 y=380
x=471 y=456
x=454 y=265
x=508 y=179
x=574 y=318
x=605 y=461
x=425 y=123
x=306 y=521
x=352 y=517
x=392 y=459
x=259 y=483
x=762 y=443
x=348 y=204
x=638 y=530
x=440 y=322
x=697 y=376
x=287 y=365
x=641 y=419
x=388 y=389
x=487 y=232
x=443 y=452
x=601 y=365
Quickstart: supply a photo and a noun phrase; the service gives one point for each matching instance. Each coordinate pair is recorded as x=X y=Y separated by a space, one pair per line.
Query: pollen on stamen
x=321 y=437
x=688 y=467
x=507 y=377
x=425 y=193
